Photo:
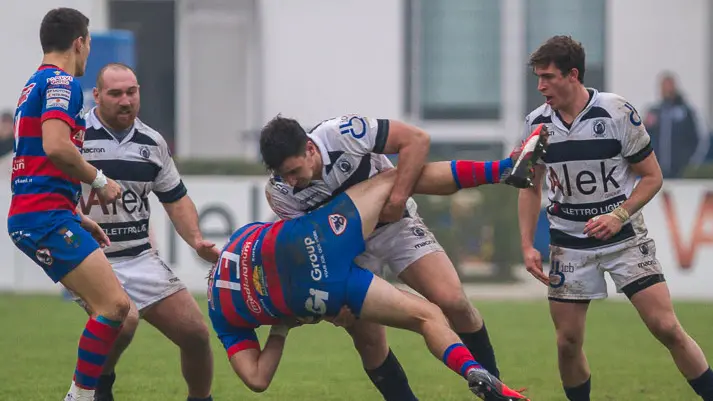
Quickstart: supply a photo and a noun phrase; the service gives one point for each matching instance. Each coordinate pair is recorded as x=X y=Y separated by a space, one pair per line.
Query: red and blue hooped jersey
x=37 y=184
x=246 y=290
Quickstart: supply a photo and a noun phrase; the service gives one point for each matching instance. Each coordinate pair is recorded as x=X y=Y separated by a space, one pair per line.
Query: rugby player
x=137 y=157
x=309 y=169
x=47 y=173
x=304 y=268
x=598 y=148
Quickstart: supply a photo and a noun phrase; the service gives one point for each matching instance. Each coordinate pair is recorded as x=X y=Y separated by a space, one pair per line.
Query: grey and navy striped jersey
x=589 y=167
x=351 y=147
x=141 y=163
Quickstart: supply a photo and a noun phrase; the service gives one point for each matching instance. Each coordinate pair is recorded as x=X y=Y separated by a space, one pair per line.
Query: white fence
x=680 y=219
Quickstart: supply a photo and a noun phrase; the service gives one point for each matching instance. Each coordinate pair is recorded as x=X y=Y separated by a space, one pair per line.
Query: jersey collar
x=594 y=97
x=93 y=121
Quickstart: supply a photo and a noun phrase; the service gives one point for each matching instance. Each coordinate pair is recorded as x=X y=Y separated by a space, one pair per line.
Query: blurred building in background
x=212 y=72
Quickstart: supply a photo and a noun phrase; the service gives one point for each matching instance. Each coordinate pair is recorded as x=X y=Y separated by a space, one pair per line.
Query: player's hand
x=96 y=231
x=393 y=210
x=207 y=251
x=110 y=192
x=602 y=227
x=345 y=318
x=533 y=263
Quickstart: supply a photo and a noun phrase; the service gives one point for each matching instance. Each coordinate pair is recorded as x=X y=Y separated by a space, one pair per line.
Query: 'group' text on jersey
x=37 y=184
x=140 y=163
x=351 y=148
x=589 y=167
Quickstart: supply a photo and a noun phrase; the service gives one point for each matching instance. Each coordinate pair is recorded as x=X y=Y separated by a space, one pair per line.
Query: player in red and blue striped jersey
x=303 y=269
x=48 y=169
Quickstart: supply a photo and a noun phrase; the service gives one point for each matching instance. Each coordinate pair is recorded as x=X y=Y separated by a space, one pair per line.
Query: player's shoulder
x=615 y=105
x=148 y=136
x=542 y=114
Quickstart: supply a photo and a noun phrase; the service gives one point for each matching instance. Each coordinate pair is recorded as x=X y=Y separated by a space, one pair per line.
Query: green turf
x=39 y=337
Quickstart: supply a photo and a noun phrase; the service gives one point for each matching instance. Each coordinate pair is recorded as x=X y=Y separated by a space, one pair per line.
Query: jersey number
x=316 y=302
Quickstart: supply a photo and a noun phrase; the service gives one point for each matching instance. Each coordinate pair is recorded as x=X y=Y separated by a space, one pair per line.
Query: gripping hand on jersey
x=603 y=227
x=208 y=251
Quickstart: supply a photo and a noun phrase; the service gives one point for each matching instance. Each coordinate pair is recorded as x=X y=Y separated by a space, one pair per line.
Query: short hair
x=562 y=51
x=280 y=139
x=120 y=66
x=61 y=27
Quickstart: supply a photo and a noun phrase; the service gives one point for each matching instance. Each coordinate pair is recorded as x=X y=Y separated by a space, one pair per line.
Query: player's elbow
x=420 y=139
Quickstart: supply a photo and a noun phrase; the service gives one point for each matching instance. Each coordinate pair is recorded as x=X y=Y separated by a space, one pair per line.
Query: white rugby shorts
x=145 y=278
x=398 y=245
x=578 y=274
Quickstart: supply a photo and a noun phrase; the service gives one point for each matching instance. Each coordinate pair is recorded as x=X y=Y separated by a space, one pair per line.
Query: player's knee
x=369 y=340
x=115 y=308
x=667 y=330
x=569 y=342
x=195 y=337
x=430 y=314
x=455 y=306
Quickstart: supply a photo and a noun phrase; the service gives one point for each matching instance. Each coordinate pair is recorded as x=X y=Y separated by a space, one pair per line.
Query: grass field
x=39 y=336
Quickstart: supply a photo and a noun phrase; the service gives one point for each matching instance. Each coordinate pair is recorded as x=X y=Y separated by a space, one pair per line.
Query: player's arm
x=173 y=195
x=256 y=367
x=58 y=147
x=412 y=145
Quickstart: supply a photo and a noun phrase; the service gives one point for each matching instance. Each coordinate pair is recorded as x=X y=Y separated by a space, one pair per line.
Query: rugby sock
x=469 y=173
x=105 y=384
x=209 y=398
x=96 y=342
x=459 y=359
x=391 y=381
x=479 y=345
x=579 y=393
x=703 y=385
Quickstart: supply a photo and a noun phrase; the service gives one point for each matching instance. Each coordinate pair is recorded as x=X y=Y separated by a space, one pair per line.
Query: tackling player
x=47 y=173
x=598 y=148
x=304 y=268
x=309 y=169
x=138 y=158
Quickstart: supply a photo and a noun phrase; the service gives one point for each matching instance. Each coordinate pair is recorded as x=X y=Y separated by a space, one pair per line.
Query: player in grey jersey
x=309 y=169
x=598 y=147
x=138 y=158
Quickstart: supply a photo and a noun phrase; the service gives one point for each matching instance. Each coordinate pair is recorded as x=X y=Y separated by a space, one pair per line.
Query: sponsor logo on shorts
x=69 y=237
x=337 y=223
x=418 y=231
x=644 y=249
x=316 y=303
x=557 y=271
x=316 y=258
x=647 y=263
x=424 y=243
x=44 y=256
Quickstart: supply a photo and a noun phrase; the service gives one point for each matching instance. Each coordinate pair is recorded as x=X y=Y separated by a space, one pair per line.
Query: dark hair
x=120 y=66
x=565 y=52
x=7 y=116
x=61 y=27
x=280 y=139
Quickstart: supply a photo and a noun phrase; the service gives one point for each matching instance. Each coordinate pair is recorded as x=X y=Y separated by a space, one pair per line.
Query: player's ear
x=95 y=92
x=574 y=74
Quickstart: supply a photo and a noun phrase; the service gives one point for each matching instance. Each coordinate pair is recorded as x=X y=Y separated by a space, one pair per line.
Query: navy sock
x=105 y=383
x=210 y=398
x=478 y=343
x=703 y=385
x=391 y=381
x=579 y=393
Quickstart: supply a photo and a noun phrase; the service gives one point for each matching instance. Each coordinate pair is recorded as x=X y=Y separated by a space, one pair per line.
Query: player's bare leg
x=569 y=319
x=384 y=304
x=656 y=310
x=447 y=292
x=94 y=282
x=180 y=319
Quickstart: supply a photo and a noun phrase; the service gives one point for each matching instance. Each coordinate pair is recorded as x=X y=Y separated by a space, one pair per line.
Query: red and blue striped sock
x=94 y=345
x=460 y=360
x=470 y=173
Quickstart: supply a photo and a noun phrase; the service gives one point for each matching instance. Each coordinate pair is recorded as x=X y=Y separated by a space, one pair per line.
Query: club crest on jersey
x=599 y=129
x=337 y=223
x=344 y=166
x=145 y=152
x=25 y=93
x=44 y=256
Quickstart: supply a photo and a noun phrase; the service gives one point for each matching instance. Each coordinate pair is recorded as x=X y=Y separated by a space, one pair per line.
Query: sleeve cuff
x=382 y=134
x=640 y=155
x=178 y=192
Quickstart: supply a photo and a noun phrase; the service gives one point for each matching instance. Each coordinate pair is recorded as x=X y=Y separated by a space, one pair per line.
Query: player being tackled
x=303 y=268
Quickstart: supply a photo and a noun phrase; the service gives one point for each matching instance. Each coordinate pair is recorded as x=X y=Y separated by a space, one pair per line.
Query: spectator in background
x=6 y=133
x=677 y=136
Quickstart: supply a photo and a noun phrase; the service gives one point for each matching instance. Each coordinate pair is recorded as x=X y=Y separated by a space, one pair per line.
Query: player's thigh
x=147 y=279
x=569 y=318
x=634 y=268
x=575 y=275
x=93 y=281
x=385 y=304
x=369 y=198
x=179 y=318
